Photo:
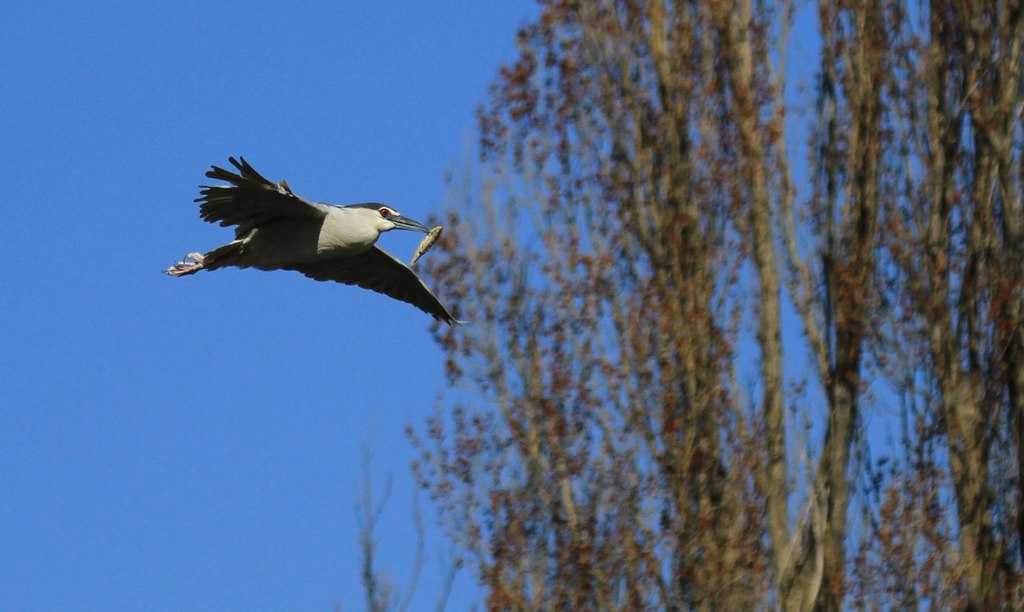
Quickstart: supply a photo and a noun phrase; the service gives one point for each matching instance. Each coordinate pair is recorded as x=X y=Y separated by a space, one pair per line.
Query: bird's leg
x=186 y=266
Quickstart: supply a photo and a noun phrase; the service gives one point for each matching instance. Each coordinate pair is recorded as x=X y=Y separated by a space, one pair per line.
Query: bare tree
x=381 y=593
x=616 y=434
x=956 y=217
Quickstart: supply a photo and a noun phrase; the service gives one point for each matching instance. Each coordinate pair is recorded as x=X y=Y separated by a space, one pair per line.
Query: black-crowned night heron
x=278 y=230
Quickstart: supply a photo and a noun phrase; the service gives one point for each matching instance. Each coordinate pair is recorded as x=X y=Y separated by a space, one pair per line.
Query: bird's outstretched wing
x=251 y=200
x=378 y=271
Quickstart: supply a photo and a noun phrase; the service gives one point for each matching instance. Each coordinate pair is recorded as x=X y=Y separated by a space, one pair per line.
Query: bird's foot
x=192 y=263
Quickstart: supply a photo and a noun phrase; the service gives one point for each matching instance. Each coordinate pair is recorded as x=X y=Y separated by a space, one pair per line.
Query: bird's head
x=384 y=218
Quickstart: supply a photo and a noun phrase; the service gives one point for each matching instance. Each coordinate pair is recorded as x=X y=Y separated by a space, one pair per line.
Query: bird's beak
x=405 y=223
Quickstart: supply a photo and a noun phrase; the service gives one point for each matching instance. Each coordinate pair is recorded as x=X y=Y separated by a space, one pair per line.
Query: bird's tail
x=222 y=256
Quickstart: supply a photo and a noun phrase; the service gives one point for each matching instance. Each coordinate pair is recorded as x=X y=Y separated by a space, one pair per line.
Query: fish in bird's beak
x=405 y=223
x=427 y=242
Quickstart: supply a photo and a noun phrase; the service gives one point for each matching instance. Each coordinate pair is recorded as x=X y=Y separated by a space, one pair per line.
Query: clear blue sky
x=194 y=443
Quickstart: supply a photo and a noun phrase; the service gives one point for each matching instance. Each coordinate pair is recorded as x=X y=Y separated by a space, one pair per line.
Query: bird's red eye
x=385 y=213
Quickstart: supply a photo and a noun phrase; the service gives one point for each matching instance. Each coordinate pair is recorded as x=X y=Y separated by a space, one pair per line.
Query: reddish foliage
x=622 y=432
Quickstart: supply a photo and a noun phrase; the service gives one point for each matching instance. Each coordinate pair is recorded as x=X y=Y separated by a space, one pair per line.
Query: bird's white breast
x=344 y=232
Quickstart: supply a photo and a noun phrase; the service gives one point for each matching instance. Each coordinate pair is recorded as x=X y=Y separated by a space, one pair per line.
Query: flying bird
x=278 y=230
